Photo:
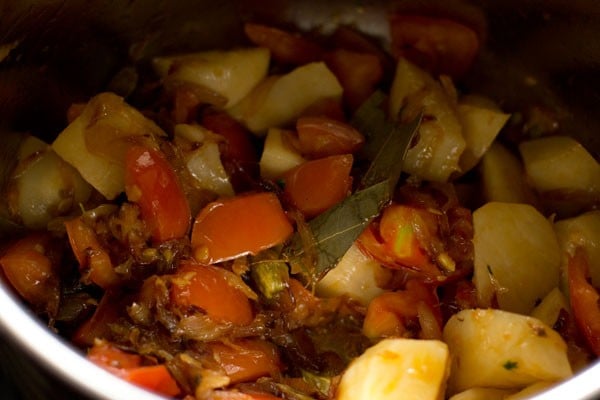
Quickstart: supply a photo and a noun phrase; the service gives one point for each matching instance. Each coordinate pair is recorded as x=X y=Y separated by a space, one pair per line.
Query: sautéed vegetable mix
x=314 y=218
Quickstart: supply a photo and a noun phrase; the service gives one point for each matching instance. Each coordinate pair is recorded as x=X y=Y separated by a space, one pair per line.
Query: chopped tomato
x=358 y=73
x=151 y=182
x=391 y=313
x=129 y=367
x=238 y=153
x=285 y=47
x=246 y=359
x=328 y=108
x=208 y=288
x=439 y=45
x=90 y=254
x=321 y=137
x=245 y=224
x=98 y=326
x=393 y=240
x=315 y=186
x=585 y=300
x=29 y=266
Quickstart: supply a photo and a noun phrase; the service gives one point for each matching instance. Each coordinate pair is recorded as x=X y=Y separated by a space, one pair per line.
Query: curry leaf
x=332 y=233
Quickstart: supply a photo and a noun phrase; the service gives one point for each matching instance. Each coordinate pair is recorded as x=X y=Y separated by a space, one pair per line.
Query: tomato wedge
x=30 y=268
x=439 y=45
x=246 y=359
x=358 y=73
x=208 y=288
x=322 y=136
x=285 y=47
x=90 y=254
x=245 y=224
x=393 y=240
x=314 y=186
x=585 y=300
x=389 y=314
x=151 y=182
x=129 y=367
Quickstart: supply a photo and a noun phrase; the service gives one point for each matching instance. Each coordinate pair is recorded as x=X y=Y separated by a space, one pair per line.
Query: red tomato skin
x=245 y=224
x=285 y=47
x=377 y=241
x=247 y=359
x=321 y=137
x=29 y=266
x=439 y=45
x=358 y=73
x=206 y=287
x=316 y=185
x=151 y=182
x=585 y=300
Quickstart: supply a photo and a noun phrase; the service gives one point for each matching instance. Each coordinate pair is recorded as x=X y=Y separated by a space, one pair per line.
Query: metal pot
x=54 y=52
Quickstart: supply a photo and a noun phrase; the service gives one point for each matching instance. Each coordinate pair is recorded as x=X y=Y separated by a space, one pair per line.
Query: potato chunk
x=44 y=186
x=231 y=74
x=278 y=100
x=503 y=177
x=408 y=369
x=517 y=258
x=499 y=349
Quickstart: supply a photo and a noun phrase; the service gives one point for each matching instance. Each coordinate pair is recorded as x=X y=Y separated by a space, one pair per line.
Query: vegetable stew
x=314 y=217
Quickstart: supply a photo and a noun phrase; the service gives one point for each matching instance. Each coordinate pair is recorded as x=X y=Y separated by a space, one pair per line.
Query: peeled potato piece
x=516 y=256
x=503 y=177
x=408 y=369
x=231 y=74
x=564 y=173
x=44 y=186
x=278 y=100
x=498 y=349
x=481 y=122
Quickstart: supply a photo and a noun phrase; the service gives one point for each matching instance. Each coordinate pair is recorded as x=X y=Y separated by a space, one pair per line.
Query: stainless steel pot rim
x=61 y=359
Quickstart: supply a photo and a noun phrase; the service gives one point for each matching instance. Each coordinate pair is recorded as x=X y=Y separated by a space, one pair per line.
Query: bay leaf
x=318 y=246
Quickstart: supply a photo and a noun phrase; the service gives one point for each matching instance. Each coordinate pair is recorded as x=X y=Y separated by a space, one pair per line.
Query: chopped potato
x=437 y=152
x=503 y=177
x=517 y=258
x=560 y=163
x=95 y=143
x=504 y=350
x=356 y=275
x=231 y=74
x=278 y=100
x=278 y=156
x=481 y=123
x=44 y=186
x=408 y=369
x=549 y=309
x=564 y=173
